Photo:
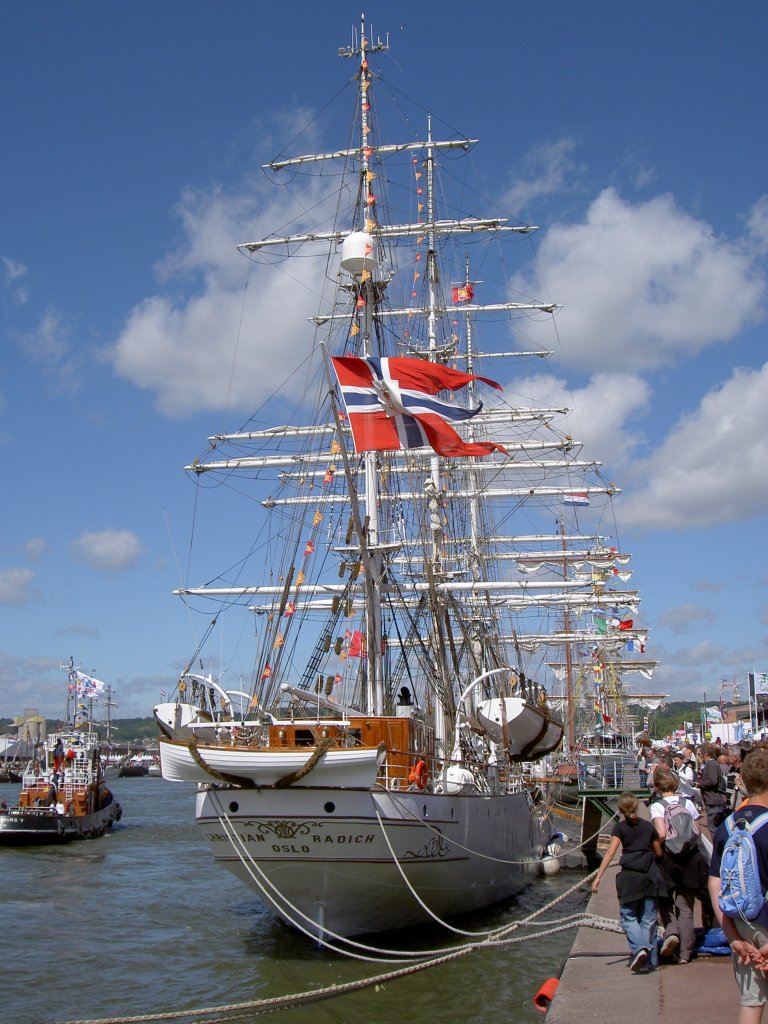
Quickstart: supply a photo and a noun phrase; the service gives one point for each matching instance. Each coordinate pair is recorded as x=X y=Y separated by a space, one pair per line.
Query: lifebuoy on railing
x=419 y=775
x=545 y=995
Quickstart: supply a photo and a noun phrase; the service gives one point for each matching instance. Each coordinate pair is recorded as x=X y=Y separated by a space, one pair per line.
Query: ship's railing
x=609 y=773
x=398 y=772
x=77 y=772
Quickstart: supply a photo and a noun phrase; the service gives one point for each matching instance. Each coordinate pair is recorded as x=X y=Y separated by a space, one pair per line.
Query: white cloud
x=601 y=411
x=14 y=270
x=686 y=616
x=708 y=585
x=758 y=224
x=548 y=168
x=645 y=284
x=14 y=586
x=35 y=548
x=712 y=466
x=107 y=549
x=49 y=345
x=79 y=629
x=15 y=275
x=225 y=345
x=706 y=654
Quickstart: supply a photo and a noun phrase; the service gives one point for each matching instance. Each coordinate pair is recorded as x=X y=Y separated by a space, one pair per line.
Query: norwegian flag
x=390 y=404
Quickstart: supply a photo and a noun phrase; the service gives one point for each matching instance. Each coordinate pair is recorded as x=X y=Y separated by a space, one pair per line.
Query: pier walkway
x=597 y=985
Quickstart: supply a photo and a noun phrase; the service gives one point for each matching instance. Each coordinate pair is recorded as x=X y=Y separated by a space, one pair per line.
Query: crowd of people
x=671 y=858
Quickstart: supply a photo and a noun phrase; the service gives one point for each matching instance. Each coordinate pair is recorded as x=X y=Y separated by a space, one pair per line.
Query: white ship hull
x=321 y=858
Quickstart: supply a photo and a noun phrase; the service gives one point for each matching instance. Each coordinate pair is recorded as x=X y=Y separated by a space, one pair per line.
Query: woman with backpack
x=639 y=883
x=675 y=817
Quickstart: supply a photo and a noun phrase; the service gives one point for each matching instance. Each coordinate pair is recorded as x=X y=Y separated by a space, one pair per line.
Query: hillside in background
x=124 y=730
x=666 y=720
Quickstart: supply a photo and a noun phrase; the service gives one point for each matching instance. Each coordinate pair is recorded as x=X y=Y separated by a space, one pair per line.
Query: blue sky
x=634 y=135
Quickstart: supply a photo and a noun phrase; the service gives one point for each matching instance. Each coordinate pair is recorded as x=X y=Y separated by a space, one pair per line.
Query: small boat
x=63 y=793
x=133 y=768
x=9 y=774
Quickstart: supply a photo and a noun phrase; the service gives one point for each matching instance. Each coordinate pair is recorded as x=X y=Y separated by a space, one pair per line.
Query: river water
x=142 y=921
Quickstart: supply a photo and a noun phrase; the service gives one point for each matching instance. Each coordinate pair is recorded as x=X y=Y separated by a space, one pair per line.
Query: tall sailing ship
x=376 y=771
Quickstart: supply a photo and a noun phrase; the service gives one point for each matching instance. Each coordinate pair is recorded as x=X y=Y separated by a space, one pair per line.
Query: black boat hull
x=21 y=827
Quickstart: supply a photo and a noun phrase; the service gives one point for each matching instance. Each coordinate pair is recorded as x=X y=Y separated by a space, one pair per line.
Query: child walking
x=639 y=883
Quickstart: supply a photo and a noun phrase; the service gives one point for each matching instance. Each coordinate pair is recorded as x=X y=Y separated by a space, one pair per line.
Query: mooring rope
x=419 y=900
x=273 y=1003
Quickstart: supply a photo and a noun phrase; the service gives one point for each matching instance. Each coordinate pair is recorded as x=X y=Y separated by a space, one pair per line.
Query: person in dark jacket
x=639 y=883
x=712 y=786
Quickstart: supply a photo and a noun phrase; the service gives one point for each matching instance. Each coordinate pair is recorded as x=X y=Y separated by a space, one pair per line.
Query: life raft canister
x=419 y=774
x=545 y=995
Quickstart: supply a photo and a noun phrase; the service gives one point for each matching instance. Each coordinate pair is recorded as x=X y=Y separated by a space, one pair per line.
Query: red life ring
x=419 y=775
x=545 y=995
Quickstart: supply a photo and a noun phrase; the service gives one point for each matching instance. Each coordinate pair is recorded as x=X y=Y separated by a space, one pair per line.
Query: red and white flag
x=463 y=293
x=391 y=404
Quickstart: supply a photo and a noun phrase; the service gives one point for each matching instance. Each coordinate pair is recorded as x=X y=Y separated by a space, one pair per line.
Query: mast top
x=363 y=45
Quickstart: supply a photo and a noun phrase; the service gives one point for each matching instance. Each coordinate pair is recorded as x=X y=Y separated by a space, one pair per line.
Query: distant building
x=30 y=731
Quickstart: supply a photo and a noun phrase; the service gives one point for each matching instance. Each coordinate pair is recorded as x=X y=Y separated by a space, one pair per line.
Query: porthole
x=234 y=807
x=329 y=808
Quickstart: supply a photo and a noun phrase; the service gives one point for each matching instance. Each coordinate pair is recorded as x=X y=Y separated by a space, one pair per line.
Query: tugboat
x=63 y=793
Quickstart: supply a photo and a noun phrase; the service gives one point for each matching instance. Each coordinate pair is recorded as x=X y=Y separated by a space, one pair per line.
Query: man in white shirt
x=683 y=768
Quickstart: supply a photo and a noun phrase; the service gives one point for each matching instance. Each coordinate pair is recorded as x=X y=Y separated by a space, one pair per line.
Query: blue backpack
x=741 y=892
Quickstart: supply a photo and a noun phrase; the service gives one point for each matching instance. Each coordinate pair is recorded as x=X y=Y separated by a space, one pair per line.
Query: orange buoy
x=545 y=995
x=419 y=774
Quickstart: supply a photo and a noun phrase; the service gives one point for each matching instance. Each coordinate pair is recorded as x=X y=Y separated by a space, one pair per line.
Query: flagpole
x=357 y=520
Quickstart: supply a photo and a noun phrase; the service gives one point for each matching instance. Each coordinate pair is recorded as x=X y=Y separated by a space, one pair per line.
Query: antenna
x=364 y=45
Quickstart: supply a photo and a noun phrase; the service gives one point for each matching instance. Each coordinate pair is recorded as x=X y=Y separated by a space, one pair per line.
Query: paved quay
x=597 y=985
